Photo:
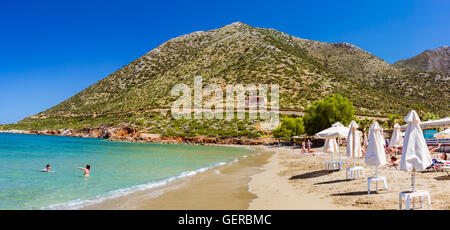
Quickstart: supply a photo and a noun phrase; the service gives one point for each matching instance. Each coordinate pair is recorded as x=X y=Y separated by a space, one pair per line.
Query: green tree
x=429 y=116
x=383 y=123
x=393 y=118
x=364 y=124
x=289 y=127
x=323 y=113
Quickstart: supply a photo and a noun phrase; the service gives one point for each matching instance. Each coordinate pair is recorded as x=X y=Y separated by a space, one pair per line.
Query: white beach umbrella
x=354 y=142
x=337 y=130
x=443 y=135
x=441 y=123
x=375 y=153
x=397 y=138
x=415 y=153
x=330 y=147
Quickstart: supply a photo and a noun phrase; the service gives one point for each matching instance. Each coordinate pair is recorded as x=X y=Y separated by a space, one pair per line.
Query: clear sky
x=51 y=50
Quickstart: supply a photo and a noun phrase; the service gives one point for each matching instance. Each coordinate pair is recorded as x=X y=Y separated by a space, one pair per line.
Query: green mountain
x=437 y=60
x=306 y=70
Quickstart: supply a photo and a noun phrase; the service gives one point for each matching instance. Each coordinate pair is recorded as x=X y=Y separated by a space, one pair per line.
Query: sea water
x=117 y=168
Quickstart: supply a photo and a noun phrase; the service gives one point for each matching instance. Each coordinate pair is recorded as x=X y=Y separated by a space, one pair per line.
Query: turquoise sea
x=117 y=168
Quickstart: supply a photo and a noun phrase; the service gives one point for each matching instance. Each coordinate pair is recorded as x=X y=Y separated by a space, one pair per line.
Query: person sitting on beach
x=394 y=161
x=444 y=156
x=391 y=151
x=47 y=168
x=86 y=170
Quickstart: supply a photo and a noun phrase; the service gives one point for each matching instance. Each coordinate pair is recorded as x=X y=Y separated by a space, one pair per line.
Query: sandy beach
x=275 y=188
x=296 y=181
x=282 y=178
x=222 y=187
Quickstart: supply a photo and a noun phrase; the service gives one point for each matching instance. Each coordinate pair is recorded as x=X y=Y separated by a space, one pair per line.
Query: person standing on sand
x=87 y=170
x=309 y=146
x=303 y=146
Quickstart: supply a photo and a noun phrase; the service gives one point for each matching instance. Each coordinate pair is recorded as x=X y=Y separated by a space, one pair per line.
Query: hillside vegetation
x=437 y=60
x=305 y=70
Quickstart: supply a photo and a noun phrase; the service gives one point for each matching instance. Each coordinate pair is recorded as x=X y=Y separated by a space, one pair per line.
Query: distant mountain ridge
x=306 y=70
x=437 y=60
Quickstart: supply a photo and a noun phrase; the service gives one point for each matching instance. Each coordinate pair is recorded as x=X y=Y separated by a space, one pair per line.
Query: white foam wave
x=79 y=203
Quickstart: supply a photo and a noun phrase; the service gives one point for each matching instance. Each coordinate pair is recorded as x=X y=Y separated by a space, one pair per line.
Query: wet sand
x=222 y=187
x=282 y=178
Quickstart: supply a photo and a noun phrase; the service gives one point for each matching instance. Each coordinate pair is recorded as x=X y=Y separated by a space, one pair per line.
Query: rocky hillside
x=437 y=60
x=306 y=70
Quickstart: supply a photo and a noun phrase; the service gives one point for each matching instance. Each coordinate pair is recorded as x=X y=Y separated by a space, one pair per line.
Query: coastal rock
x=149 y=136
x=131 y=134
x=124 y=132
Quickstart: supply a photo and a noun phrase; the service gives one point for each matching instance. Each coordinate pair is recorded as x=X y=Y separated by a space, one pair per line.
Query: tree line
x=334 y=108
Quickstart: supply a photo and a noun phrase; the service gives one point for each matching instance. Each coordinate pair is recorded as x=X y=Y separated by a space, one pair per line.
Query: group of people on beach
x=306 y=146
x=86 y=169
x=395 y=160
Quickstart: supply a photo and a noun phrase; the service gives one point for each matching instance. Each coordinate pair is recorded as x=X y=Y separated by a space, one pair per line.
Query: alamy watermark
x=210 y=102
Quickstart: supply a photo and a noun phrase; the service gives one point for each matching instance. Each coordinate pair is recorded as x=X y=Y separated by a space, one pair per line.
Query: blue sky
x=51 y=50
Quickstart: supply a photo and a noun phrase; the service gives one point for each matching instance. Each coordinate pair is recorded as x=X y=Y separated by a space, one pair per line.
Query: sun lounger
x=439 y=165
x=446 y=167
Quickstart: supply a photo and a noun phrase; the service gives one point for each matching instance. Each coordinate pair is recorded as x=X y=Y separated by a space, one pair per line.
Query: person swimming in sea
x=87 y=170
x=47 y=169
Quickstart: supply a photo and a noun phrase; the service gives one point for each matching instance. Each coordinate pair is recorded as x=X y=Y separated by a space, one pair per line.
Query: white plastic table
x=355 y=171
x=380 y=178
x=408 y=195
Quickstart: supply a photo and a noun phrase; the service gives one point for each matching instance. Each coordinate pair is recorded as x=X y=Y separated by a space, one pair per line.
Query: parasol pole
x=331 y=153
x=376 y=171
x=413 y=178
x=376 y=175
x=353 y=147
x=339 y=150
x=376 y=167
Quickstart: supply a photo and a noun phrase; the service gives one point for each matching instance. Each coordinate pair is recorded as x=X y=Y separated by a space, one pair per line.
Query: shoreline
x=222 y=187
x=127 y=134
x=280 y=178
x=255 y=182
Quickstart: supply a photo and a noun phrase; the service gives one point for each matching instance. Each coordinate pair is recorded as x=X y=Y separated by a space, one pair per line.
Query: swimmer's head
x=88 y=166
x=48 y=166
